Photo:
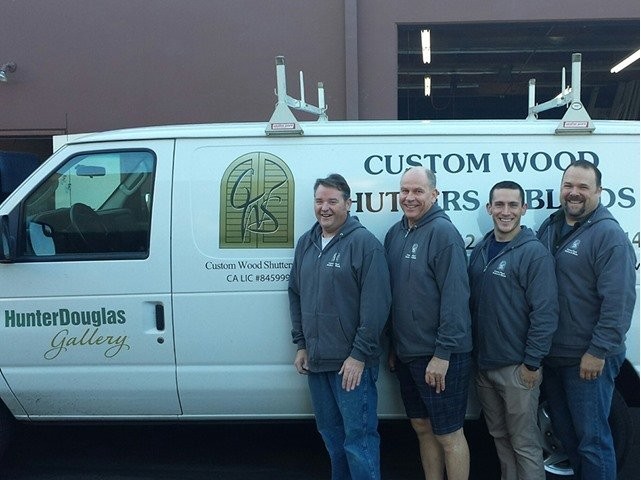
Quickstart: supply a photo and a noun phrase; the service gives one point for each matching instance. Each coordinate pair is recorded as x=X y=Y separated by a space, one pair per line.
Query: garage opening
x=482 y=70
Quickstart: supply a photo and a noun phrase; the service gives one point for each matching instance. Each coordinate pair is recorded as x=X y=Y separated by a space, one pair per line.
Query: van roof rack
x=283 y=121
x=576 y=119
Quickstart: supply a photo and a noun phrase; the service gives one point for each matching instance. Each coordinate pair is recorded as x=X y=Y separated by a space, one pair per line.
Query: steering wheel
x=89 y=227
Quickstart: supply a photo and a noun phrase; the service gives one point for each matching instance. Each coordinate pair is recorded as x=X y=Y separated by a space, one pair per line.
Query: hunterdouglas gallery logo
x=91 y=323
x=257 y=203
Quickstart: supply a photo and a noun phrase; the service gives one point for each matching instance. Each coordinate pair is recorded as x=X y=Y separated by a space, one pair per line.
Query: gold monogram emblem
x=257 y=203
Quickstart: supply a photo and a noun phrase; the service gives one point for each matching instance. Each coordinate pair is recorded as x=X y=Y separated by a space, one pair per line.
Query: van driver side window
x=95 y=205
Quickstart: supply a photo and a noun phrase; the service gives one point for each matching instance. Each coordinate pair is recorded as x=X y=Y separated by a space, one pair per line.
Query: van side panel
x=79 y=332
x=240 y=204
x=192 y=321
x=234 y=354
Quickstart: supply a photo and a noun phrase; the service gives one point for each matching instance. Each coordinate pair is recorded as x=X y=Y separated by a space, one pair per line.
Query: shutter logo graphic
x=257 y=203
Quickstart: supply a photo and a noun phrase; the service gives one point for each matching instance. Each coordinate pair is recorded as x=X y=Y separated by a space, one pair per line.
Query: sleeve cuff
x=443 y=354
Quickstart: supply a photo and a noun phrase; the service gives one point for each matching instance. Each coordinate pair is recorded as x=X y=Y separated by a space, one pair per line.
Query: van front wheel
x=556 y=460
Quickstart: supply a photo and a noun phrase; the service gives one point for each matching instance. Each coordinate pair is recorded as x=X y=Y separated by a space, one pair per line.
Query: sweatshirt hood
x=599 y=214
x=351 y=224
x=433 y=213
x=524 y=236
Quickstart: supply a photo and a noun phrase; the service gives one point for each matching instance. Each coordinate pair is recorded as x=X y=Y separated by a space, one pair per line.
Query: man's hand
x=591 y=367
x=300 y=362
x=352 y=370
x=435 y=373
x=529 y=377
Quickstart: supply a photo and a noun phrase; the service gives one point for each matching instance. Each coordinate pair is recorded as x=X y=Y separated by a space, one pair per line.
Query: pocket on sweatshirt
x=492 y=341
x=411 y=331
x=571 y=331
x=333 y=343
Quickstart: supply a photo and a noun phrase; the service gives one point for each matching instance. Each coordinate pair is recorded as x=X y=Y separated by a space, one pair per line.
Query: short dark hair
x=585 y=165
x=337 y=181
x=509 y=185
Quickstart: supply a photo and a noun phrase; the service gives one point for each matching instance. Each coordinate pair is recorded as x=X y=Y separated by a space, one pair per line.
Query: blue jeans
x=348 y=423
x=579 y=410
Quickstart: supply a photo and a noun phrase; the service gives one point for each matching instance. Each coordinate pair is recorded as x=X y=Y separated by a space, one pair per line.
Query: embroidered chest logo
x=574 y=248
x=412 y=255
x=335 y=262
x=500 y=270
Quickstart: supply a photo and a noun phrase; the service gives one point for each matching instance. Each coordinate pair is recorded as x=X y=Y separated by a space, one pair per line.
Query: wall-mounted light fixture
x=426 y=46
x=625 y=62
x=7 y=68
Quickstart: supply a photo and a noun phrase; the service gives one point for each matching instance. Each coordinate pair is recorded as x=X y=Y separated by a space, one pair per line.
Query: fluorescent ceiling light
x=428 y=85
x=426 y=46
x=625 y=62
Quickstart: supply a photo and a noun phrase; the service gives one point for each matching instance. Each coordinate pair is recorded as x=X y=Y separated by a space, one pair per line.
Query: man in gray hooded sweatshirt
x=339 y=297
x=515 y=310
x=431 y=325
x=595 y=270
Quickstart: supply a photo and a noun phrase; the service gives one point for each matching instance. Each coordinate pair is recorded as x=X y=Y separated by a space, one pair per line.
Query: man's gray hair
x=431 y=177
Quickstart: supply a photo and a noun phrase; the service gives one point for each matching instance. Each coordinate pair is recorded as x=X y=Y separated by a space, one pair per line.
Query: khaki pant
x=510 y=411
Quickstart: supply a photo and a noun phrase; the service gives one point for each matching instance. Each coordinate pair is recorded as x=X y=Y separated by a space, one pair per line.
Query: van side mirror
x=6 y=255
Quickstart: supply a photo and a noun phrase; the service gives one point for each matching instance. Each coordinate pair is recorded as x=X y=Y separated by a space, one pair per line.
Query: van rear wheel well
x=7 y=427
x=627 y=384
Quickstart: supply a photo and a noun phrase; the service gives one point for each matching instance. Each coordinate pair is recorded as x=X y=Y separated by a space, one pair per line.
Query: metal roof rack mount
x=576 y=119
x=283 y=121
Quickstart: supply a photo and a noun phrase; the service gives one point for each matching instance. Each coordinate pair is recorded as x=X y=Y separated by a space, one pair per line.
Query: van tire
x=556 y=461
x=7 y=428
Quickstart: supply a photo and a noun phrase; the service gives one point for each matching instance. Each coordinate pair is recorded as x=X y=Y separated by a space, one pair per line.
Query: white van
x=145 y=271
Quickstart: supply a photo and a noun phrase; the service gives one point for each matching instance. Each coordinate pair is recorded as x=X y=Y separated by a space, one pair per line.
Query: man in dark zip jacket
x=514 y=307
x=595 y=270
x=431 y=325
x=339 y=296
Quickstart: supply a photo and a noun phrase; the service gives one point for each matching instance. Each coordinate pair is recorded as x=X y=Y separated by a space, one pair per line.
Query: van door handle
x=160 y=317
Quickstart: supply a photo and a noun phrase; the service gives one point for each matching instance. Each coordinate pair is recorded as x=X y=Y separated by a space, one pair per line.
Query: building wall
x=94 y=65
x=104 y=64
